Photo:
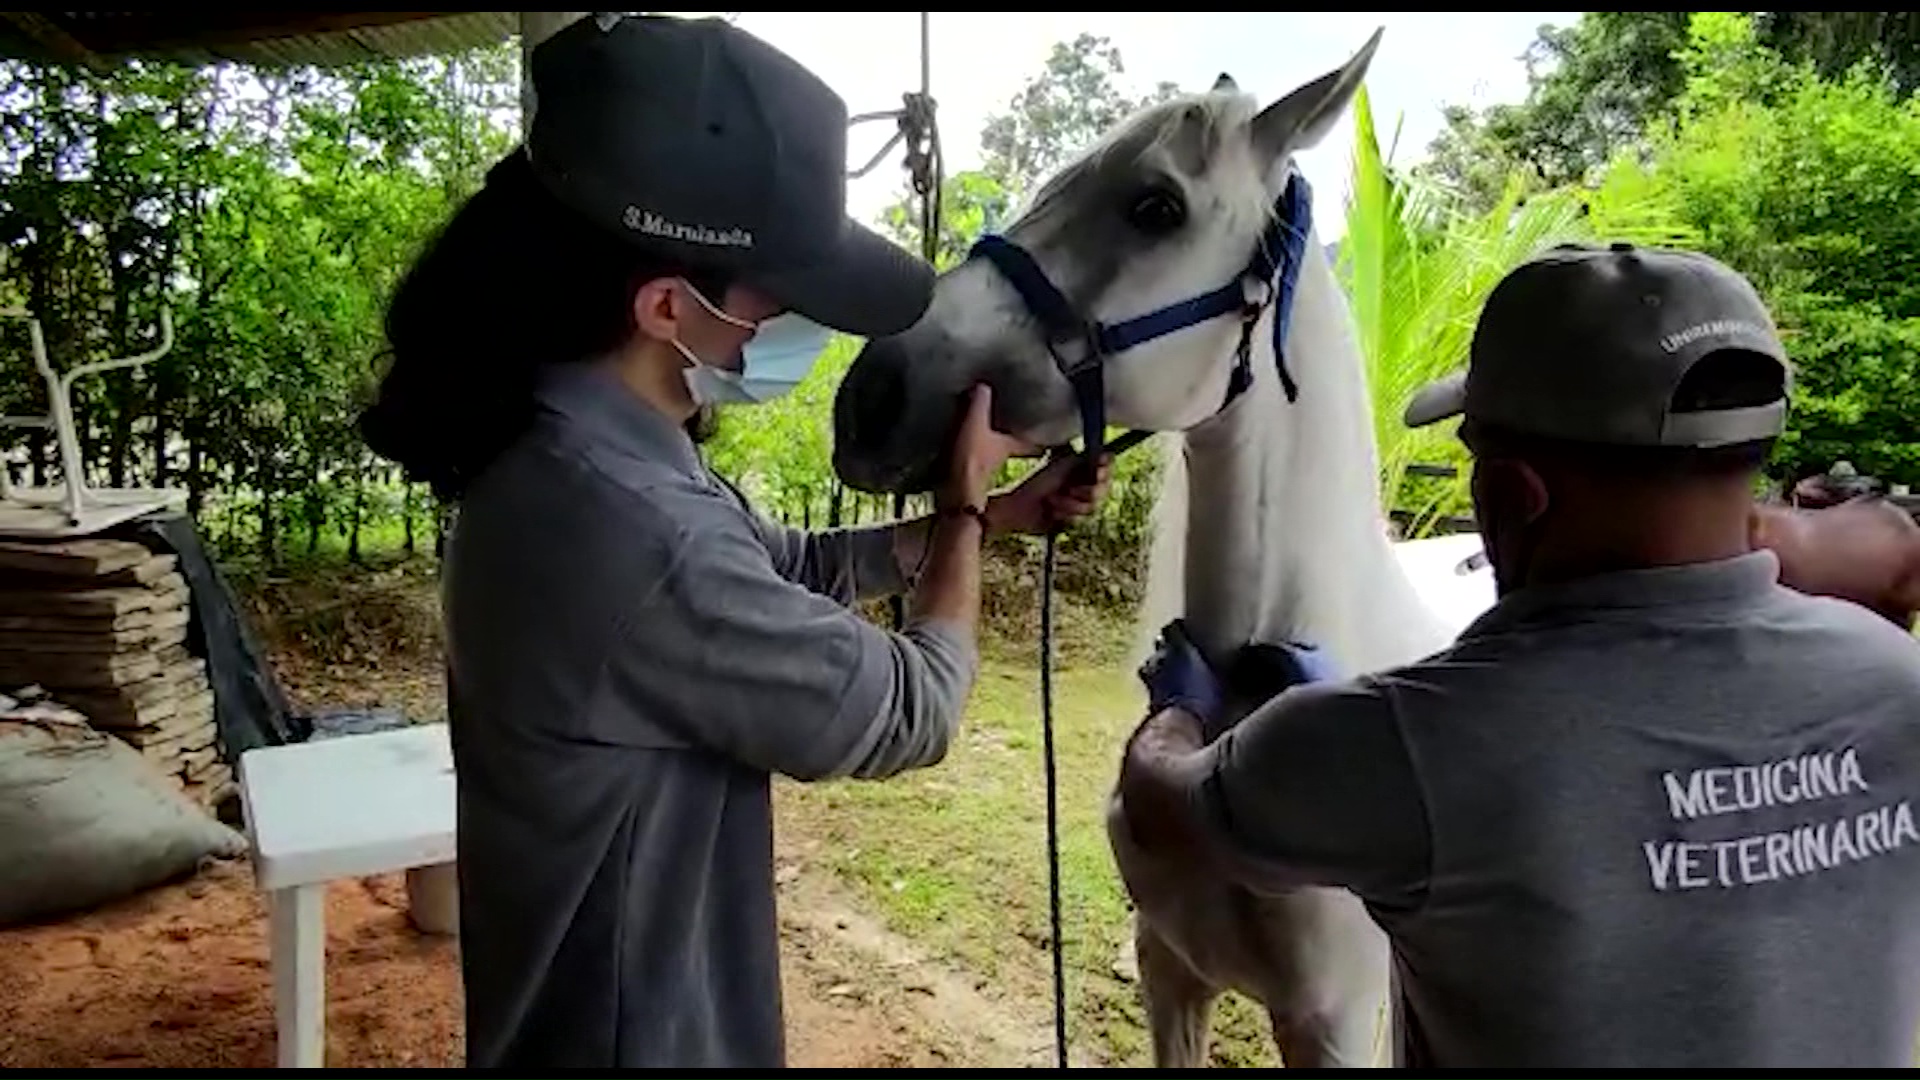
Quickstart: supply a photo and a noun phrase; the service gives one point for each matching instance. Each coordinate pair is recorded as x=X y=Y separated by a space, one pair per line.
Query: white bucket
x=433 y=899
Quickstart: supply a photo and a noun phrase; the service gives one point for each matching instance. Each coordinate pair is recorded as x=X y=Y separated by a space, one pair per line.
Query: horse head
x=1162 y=212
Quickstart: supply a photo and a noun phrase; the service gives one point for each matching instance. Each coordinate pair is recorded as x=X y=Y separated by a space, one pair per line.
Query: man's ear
x=1516 y=487
x=659 y=306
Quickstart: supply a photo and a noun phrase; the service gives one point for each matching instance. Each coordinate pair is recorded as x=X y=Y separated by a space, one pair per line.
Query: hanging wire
x=917 y=129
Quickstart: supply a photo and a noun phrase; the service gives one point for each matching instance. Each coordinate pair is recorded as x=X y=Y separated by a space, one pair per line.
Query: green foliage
x=971 y=203
x=272 y=213
x=1782 y=143
x=1076 y=97
x=1417 y=270
x=1594 y=86
x=1807 y=185
x=1834 y=41
x=1591 y=87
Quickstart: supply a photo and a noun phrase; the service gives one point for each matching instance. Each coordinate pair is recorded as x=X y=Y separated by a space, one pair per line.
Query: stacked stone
x=102 y=625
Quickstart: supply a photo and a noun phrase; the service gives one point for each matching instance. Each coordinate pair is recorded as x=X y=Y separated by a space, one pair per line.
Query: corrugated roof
x=276 y=38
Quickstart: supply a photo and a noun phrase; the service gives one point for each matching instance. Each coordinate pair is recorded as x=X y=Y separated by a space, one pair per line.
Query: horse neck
x=1270 y=526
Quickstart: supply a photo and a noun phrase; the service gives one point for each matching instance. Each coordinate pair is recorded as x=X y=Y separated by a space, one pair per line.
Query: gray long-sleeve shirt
x=631 y=652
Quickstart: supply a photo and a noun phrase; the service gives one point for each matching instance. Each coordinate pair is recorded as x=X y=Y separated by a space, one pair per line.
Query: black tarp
x=249 y=707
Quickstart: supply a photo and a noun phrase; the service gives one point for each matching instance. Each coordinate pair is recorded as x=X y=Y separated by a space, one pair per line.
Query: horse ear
x=1303 y=118
x=1225 y=84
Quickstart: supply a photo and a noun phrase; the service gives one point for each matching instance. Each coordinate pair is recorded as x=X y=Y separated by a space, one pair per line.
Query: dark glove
x=1177 y=676
x=1315 y=665
x=1263 y=671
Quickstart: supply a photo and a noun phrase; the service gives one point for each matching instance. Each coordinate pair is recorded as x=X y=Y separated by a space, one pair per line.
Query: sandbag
x=85 y=820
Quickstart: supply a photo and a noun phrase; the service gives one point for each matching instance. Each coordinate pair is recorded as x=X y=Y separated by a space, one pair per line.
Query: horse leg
x=1333 y=1039
x=1327 y=998
x=1179 y=1002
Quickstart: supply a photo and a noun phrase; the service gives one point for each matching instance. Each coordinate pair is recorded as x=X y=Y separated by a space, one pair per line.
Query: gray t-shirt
x=631 y=652
x=1658 y=819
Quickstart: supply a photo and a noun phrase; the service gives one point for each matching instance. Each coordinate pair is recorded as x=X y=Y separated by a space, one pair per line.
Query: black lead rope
x=1053 y=805
x=1050 y=760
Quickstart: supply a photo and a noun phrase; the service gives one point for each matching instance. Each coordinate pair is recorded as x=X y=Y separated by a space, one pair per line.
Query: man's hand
x=1865 y=550
x=1049 y=498
x=978 y=453
x=1178 y=677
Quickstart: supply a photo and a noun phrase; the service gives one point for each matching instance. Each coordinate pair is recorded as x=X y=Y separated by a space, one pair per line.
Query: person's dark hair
x=514 y=282
x=1729 y=379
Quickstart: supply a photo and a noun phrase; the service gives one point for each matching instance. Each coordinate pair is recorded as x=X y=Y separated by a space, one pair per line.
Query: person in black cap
x=631 y=651
x=1651 y=809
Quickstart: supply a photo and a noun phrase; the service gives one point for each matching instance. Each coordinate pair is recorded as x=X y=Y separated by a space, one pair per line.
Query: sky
x=980 y=60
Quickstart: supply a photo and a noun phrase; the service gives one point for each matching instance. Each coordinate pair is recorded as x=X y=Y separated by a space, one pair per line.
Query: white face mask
x=777 y=358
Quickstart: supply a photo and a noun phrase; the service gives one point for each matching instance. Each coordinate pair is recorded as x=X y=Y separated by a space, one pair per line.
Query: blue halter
x=1081 y=347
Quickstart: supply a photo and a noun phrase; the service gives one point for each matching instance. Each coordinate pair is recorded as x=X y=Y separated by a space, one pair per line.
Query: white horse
x=1269 y=526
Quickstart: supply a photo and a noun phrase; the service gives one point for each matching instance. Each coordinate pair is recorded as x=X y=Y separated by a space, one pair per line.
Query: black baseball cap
x=696 y=139
x=1588 y=344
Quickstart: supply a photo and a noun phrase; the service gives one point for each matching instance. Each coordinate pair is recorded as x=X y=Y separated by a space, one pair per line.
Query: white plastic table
x=337 y=808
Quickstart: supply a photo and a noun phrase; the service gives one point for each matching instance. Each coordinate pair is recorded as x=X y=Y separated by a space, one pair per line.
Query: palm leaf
x=1417 y=273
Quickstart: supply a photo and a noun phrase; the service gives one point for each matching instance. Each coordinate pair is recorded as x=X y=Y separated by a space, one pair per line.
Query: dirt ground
x=178 y=977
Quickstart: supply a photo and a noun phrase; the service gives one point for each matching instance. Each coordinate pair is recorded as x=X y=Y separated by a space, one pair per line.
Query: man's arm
x=1314 y=788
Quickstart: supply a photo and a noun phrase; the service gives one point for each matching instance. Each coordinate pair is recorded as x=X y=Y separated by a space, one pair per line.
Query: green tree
x=1834 y=41
x=271 y=211
x=971 y=202
x=1075 y=97
x=1416 y=271
x=1595 y=86
x=1807 y=185
x=1079 y=94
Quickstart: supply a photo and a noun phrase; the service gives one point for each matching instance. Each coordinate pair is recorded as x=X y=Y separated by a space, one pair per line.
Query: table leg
x=299 y=951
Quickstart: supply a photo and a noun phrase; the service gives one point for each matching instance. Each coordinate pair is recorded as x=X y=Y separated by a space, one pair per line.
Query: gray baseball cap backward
x=693 y=138
x=1588 y=344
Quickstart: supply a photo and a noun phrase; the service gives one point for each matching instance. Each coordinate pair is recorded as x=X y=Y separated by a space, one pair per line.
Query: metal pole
x=926 y=54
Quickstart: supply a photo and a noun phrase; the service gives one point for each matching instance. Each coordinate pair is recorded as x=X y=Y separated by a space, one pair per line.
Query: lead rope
x=1049 y=760
x=1053 y=803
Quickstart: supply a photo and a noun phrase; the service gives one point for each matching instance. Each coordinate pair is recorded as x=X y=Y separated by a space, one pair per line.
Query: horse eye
x=1156 y=211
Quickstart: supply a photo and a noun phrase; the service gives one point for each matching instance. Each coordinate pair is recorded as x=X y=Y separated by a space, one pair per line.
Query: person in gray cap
x=1620 y=822
x=631 y=651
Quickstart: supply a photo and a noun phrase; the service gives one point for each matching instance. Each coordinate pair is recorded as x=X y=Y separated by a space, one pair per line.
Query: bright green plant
x=1417 y=271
